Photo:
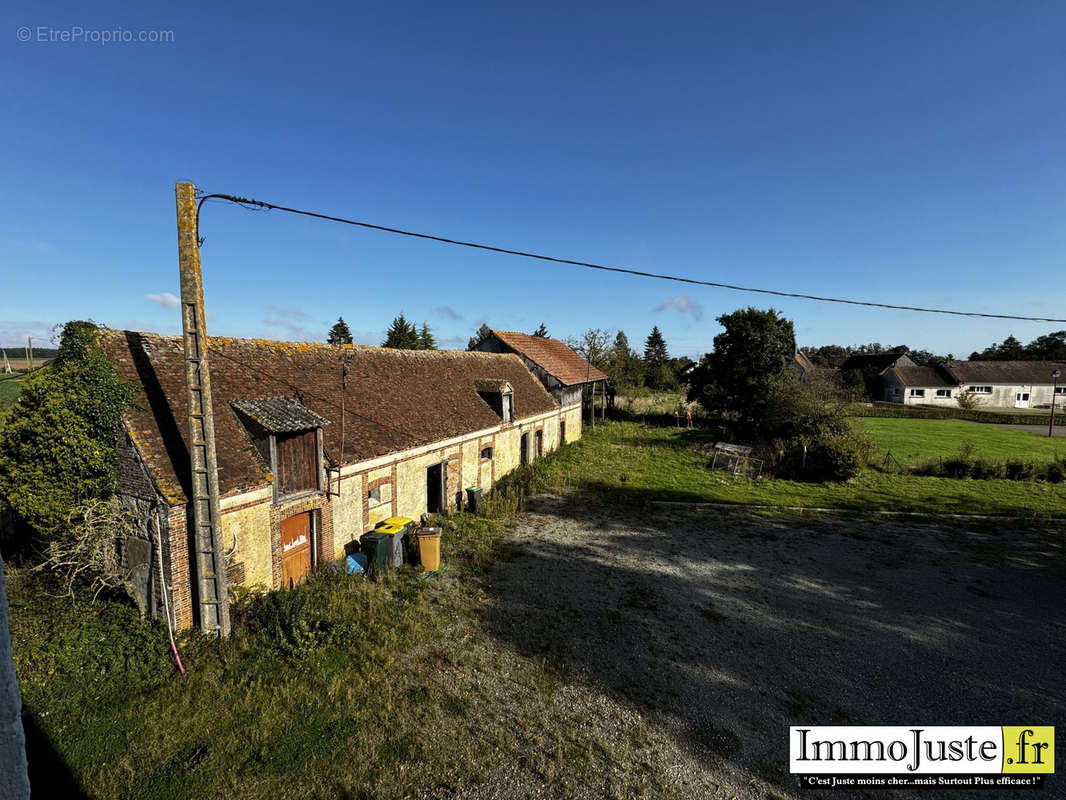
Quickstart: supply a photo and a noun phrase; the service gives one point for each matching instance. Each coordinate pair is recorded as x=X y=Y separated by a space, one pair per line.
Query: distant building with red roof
x=563 y=372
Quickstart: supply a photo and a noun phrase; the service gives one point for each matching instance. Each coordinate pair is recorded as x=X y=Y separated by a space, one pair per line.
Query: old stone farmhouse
x=564 y=373
x=299 y=481
x=995 y=384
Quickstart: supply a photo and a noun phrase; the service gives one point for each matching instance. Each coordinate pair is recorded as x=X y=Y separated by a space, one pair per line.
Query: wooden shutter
x=297 y=465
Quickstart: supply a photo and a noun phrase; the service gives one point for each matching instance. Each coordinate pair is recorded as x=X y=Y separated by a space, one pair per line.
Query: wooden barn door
x=295 y=549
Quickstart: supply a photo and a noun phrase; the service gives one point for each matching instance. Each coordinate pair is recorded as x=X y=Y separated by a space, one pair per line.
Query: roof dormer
x=499 y=396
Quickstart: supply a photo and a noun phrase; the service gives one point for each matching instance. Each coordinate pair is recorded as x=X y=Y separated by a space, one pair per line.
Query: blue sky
x=902 y=152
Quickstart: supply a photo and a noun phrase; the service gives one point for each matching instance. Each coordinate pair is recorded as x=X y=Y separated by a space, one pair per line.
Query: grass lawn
x=915 y=440
x=632 y=463
x=10 y=389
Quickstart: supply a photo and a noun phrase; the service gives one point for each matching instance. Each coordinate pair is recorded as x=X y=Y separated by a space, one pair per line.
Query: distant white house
x=918 y=386
x=996 y=384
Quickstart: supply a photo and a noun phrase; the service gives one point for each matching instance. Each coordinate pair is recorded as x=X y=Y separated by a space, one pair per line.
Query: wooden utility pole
x=1054 y=391
x=210 y=560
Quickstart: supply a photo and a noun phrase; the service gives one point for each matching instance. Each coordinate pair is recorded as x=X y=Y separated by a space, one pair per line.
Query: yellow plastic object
x=429 y=548
x=393 y=525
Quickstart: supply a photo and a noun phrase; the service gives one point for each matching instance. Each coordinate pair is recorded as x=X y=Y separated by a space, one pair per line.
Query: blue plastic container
x=355 y=564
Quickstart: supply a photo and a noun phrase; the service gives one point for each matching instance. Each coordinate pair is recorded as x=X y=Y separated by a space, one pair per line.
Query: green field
x=914 y=440
x=10 y=389
x=631 y=463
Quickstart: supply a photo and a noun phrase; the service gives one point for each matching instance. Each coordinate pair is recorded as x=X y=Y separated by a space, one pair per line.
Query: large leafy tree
x=624 y=367
x=480 y=335
x=1050 y=347
x=749 y=357
x=401 y=335
x=58 y=444
x=339 y=333
x=593 y=347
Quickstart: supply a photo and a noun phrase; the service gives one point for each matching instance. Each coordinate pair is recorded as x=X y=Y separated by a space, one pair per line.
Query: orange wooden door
x=295 y=549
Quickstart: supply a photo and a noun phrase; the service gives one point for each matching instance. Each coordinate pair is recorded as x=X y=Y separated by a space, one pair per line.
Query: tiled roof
x=803 y=361
x=879 y=361
x=1013 y=372
x=395 y=400
x=921 y=376
x=488 y=385
x=280 y=414
x=553 y=356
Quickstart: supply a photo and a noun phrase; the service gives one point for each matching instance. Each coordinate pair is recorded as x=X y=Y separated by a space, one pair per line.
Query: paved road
x=724 y=629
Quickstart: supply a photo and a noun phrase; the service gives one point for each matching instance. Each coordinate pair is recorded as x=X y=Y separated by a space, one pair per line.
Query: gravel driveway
x=721 y=629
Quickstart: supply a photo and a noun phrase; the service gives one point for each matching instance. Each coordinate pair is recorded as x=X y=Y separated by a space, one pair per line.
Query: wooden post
x=209 y=560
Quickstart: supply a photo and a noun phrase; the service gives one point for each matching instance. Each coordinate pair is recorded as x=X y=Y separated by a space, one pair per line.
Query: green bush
x=964 y=465
x=292 y=620
x=57 y=445
x=899 y=410
x=984 y=469
x=797 y=417
x=957 y=467
x=1015 y=470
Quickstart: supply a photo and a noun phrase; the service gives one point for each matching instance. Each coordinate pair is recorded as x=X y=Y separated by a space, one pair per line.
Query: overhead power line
x=259 y=204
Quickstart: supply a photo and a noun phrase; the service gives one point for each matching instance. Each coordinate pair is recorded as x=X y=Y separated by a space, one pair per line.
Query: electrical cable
x=253 y=205
x=163 y=585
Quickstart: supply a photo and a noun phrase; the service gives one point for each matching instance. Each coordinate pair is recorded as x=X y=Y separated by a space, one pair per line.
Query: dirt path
x=713 y=632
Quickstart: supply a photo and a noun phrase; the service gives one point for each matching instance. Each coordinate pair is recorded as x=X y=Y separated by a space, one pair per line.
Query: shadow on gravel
x=729 y=627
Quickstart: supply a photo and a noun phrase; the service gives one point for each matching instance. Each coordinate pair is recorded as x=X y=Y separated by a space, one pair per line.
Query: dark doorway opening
x=523 y=449
x=436 y=488
x=538 y=437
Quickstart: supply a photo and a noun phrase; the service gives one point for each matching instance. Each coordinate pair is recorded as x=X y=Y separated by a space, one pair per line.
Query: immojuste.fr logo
x=841 y=750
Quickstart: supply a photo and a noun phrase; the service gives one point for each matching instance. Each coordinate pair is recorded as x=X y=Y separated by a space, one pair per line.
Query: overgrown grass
x=915 y=440
x=650 y=403
x=625 y=462
x=340 y=687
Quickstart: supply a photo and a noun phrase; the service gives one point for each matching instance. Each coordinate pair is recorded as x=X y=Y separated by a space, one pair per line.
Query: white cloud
x=287 y=311
x=449 y=312
x=166 y=300
x=684 y=304
x=13 y=333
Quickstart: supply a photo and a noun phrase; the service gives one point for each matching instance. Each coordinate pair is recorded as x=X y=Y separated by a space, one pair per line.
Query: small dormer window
x=297 y=466
x=500 y=397
x=289 y=436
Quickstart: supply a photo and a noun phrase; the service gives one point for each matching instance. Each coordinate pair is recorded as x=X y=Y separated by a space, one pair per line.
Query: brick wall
x=176 y=549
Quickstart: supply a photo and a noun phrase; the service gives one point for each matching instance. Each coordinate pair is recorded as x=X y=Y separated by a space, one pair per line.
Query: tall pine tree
x=480 y=335
x=401 y=335
x=425 y=339
x=541 y=332
x=657 y=373
x=339 y=333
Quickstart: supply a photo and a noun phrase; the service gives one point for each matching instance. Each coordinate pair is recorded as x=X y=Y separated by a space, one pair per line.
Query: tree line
x=627 y=368
x=1049 y=347
x=653 y=367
